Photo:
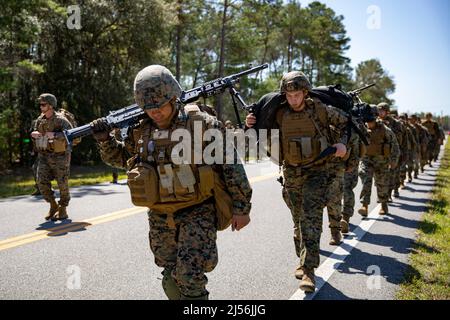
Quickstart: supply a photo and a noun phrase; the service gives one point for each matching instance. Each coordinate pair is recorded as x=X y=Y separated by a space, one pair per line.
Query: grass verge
x=428 y=277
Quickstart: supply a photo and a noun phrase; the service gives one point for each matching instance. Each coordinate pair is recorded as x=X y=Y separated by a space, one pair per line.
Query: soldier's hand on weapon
x=341 y=150
x=100 y=129
x=35 y=134
x=239 y=221
x=250 y=120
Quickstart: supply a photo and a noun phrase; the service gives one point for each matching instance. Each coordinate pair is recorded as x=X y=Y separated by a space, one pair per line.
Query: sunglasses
x=43 y=104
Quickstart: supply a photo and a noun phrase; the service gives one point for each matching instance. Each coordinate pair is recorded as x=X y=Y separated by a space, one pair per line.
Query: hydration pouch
x=143 y=183
x=223 y=203
x=306 y=147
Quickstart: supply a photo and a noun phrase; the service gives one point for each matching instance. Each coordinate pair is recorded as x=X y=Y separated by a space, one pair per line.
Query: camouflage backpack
x=71 y=118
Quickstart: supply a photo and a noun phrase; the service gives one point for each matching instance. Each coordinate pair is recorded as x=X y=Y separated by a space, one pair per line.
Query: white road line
x=332 y=263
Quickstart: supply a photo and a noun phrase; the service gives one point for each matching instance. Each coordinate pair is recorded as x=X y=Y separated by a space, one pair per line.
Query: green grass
x=21 y=182
x=428 y=277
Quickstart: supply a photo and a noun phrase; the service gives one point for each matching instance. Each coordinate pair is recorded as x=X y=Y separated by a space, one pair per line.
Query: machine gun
x=128 y=117
x=355 y=93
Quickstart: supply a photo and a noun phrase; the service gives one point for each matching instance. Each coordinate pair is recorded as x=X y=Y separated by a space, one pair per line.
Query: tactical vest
x=302 y=139
x=397 y=128
x=43 y=144
x=378 y=145
x=164 y=187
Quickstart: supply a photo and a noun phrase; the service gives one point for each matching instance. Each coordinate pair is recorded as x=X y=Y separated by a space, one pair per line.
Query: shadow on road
x=62 y=228
x=360 y=262
x=328 y=292
x=75 y=192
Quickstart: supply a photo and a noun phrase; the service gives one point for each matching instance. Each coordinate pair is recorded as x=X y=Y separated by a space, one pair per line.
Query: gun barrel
x=359 y=90
x=217 y=86
x=249 y=71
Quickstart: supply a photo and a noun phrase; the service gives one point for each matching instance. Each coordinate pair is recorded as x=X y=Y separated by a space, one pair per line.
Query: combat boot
x=384 y=209
x=299 y=272
x=53 y=210
x=364 y=210
x=396 y=193
x=62 y=213
x=336 y=237
x=170 y=287
x=345 y=223
x=308 y=283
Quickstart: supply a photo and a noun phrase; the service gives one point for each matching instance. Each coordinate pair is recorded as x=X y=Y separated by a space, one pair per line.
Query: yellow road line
x=55 y=231
x=51 y=232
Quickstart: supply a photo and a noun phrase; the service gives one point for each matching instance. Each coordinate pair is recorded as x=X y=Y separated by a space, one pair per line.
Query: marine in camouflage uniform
x=411 y=151
x=351 y=179
x=305 y=125
x=436 y=138
x=400 y=133
x=53 y=156
x=382 y=154
x=183 y=241
x=424 y=139
x=338 y=168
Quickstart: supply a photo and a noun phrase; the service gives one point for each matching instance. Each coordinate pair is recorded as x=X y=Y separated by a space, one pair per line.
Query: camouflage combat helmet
x=49 y=98
x=394 y=112
x=384 y=106
x=294 y=81
x=154 y=86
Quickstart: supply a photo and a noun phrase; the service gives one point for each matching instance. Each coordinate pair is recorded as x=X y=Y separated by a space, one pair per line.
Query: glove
x=100 y=130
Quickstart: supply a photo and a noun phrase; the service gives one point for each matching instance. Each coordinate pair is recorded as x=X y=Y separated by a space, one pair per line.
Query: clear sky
x=411 y=39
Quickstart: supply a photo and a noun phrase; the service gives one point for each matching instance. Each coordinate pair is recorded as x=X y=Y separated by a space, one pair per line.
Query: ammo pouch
x=143 y=183
x=386 y=149
x=41 y=143
x=57 y=145
x=304 y=149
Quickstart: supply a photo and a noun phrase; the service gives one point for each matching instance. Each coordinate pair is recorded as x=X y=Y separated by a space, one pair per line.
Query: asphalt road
x=102 y=251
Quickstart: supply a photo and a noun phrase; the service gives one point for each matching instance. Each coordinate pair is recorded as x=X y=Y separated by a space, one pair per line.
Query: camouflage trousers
x=409 y=166
x=304 y=193
x=54 y=167
x=189 y=250
x=334 y=197
x=394 y=178
x=34 y=168
x=377 y=168
x=436 y=150
x=424 y=156
x=350 y=182
x=433 y=150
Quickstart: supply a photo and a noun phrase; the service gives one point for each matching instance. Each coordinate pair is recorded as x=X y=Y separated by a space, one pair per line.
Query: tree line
x=90 y=68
